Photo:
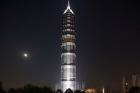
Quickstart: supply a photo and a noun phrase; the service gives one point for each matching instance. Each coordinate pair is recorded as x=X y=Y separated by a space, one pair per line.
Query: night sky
x=108 y=41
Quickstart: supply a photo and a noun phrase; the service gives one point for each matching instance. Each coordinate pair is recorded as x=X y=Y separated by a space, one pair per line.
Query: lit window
x=68 y=25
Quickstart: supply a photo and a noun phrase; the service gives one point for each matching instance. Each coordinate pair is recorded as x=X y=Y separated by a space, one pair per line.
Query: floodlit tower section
x=68 y=47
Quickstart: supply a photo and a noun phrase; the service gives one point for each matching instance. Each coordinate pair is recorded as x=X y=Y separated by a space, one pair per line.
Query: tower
x=125 y=85
x=68 y=47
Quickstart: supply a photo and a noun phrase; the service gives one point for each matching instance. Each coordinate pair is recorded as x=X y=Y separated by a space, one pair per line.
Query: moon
x=25 y=55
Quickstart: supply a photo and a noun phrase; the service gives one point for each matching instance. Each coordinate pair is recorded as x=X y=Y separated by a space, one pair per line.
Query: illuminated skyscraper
x=68 y=47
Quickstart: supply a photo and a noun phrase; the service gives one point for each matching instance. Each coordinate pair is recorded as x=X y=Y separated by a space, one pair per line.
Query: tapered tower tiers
x=68 y=47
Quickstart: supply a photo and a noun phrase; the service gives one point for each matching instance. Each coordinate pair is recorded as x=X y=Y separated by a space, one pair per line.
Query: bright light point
x=103 y=90
x=25 y=55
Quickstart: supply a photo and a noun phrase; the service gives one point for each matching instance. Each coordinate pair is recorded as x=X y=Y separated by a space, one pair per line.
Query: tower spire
x=68 y=8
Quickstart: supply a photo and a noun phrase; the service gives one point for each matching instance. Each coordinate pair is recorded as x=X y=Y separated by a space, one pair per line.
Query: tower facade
x=68 y=47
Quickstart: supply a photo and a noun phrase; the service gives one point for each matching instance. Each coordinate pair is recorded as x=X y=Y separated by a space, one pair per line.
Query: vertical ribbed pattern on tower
x=68 y=47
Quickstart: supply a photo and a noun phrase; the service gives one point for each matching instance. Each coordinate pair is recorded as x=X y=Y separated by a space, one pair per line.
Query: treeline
x=134 y=90
x=28 y=89
x=45 y=89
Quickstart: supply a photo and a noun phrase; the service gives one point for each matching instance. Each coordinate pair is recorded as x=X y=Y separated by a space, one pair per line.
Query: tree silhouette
x=134 y=90
x=12 y=90
x=69 y=91
x=1 y=88
x=59 y=91
x=77 y=91
x=31 y=89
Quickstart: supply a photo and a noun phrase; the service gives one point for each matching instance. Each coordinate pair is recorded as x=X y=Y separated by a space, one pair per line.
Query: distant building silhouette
x=68 y=91
x=130 y=82
x=125 y=85
x=59 y=91
x=1 y=88
x=135 y=80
